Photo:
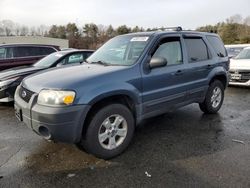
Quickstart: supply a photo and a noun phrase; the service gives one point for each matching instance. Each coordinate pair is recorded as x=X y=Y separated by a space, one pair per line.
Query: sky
x=189 y=14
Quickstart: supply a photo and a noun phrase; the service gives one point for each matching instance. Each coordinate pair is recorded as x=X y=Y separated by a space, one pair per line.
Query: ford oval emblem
x=24 y=94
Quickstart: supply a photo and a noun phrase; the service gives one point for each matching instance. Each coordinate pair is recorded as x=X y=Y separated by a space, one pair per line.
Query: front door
x=164 y=87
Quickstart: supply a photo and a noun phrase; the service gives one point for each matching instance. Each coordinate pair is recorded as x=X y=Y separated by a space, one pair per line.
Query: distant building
x=63 y=43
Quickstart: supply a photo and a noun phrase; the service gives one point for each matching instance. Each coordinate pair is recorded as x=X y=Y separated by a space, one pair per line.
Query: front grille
x=245 y=75
x=25 y=94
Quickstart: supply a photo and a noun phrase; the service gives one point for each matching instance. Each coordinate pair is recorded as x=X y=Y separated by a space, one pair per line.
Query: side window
x=217 y=45
x=197 y=49
x=9 y=53
x=46 y=50
x=20 y=52
x=3 y=53
x=170 y=49
x=75 y=58
x=86 y=55
x=33 y=51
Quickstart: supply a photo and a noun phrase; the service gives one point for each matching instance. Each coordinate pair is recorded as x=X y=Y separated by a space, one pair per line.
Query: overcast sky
x=146 y=13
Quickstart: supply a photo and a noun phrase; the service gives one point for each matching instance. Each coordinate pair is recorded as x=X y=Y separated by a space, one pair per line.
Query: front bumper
x=63 y=124
x=240 y=83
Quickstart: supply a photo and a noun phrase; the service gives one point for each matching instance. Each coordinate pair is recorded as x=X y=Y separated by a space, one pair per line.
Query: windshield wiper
x=101 y=63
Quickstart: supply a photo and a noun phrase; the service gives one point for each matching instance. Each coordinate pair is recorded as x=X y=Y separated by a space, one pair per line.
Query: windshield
x=121 y=50
x=48 y=60
x=244 y=54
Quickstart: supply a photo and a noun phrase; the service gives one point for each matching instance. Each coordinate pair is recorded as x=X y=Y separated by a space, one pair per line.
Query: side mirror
x=157 y=62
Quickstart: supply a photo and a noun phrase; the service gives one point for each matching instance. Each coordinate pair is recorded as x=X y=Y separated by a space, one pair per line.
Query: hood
x=68 y=77
x=240 y=64
x=18 y=71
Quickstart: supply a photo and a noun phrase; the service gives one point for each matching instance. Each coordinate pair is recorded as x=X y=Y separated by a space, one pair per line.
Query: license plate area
x=235 y=76
x=18 y=113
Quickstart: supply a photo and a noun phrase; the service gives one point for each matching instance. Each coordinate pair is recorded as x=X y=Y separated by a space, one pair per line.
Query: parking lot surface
x=184 y=148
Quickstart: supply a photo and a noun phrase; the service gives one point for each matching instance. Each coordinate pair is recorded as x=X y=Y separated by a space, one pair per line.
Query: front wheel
x=109 y=132
x=214 y=98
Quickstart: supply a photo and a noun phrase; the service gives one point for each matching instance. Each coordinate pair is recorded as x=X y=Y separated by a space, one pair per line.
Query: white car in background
x=240 y=68
x=234 y=49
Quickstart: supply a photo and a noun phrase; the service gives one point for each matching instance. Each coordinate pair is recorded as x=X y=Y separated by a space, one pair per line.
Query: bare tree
x=17 y=29
x=247 y=20
x=24 y=31
x=237 y=18
x=8 y=26
x=41 y=30
x=33 y=31
x=1 y=31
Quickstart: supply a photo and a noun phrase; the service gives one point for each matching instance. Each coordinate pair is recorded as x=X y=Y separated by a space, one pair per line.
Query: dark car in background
x=11 y=78
x=14 y=55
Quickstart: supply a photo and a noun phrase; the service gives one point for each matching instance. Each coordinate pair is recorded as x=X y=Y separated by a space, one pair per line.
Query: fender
x=217 y=71
x=107 y=90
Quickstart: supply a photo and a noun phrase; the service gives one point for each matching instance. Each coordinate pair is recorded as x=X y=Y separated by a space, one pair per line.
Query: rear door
x=25 y=55
x=199 y=65
x=164 y=87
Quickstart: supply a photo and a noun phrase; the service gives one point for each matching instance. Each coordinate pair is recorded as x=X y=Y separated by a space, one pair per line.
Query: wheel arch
x=221 y=77
x=100 y=101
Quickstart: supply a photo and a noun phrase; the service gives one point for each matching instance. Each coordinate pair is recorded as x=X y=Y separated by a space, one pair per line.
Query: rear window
x=86 y=55
x=46 y=50
x=197 y=49
x=217 y=45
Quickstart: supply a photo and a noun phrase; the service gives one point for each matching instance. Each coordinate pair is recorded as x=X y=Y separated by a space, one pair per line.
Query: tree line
x=235 y=30
x=91 y=36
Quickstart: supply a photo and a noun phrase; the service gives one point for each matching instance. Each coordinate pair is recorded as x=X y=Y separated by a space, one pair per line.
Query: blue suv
x=98 y=104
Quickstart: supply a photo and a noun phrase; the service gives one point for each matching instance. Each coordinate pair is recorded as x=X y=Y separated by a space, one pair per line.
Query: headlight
x=56 y=97
x=7 y=82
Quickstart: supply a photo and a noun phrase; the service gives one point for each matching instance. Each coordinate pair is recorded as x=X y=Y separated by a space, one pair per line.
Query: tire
x=117 y=124
x=213 y=101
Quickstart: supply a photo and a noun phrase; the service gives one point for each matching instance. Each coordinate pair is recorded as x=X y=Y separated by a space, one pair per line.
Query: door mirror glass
x=157 y=62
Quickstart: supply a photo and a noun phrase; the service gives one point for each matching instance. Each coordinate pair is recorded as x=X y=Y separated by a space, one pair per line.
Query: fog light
x=44 y=132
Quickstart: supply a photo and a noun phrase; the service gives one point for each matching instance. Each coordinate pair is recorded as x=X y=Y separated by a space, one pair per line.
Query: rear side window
x=86 y=55
x=217 y=45
x=29 y=51
x=46 y=50
x=197 y=49
x=21 y=52
x=34 y=51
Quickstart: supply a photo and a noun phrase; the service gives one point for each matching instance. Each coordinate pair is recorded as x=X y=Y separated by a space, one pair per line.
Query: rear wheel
x=214 y=98
x=109 y=132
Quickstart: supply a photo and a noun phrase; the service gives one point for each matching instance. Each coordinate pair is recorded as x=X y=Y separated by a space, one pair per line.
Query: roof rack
x=178 y=28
